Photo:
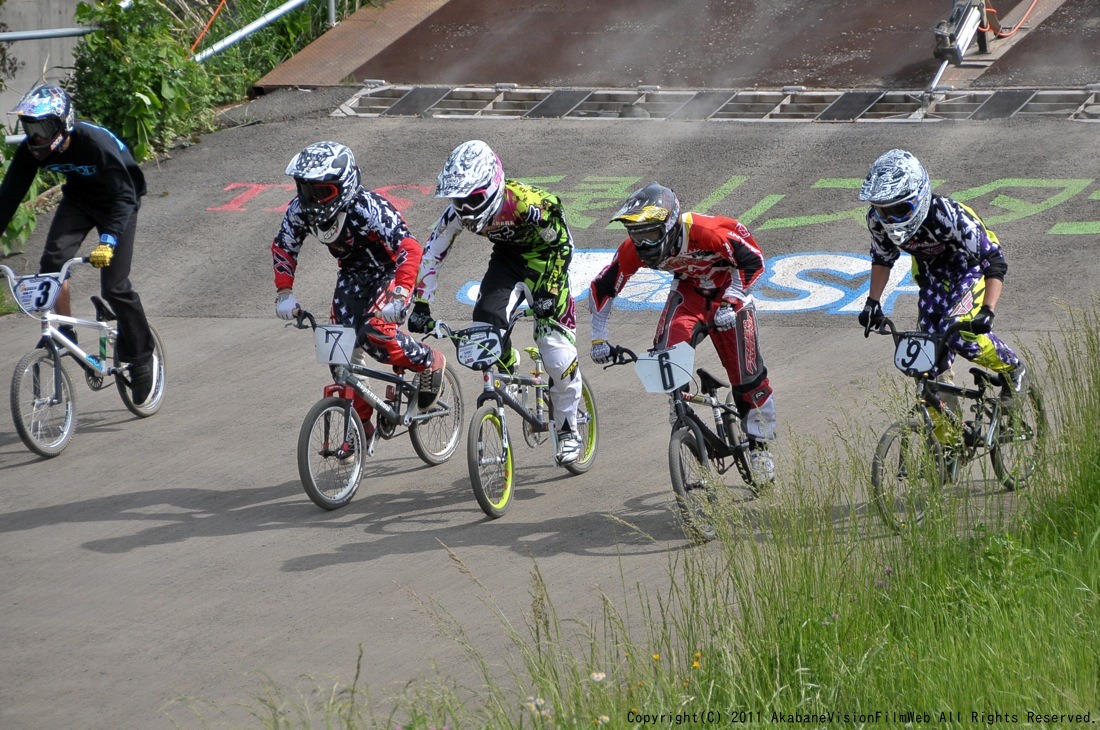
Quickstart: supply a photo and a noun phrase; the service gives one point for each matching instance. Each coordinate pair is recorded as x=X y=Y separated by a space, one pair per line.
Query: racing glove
x=725 y=318
x=982 y=324
x=286 y=306
x=872 y=315
x=393 y=305
x=601 y=352
x=420 y=320
x=103 y=253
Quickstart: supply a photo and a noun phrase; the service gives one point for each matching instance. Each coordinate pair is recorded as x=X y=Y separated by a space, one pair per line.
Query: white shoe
x=762 y=467
x=569 y=447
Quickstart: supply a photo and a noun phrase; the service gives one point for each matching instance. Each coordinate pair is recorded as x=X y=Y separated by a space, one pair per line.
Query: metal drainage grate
x=788 y=104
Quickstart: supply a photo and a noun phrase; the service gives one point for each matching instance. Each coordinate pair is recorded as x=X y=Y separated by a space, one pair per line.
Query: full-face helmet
x=47 y=116
x=473 y=179
x=652 y=219
x=899 y=191
x=327 y=179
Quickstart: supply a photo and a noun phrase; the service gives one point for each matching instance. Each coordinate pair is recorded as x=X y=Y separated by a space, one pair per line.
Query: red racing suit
x=715 y=261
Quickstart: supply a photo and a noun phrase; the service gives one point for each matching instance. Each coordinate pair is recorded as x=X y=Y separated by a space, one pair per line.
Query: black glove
x=871 y=316
x=982 y=324
x=421 y=318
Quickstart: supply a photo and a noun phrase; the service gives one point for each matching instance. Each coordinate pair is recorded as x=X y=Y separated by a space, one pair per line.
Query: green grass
x=811 y=613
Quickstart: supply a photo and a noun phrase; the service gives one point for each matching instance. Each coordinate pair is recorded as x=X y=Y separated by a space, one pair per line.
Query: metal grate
x=794 y=104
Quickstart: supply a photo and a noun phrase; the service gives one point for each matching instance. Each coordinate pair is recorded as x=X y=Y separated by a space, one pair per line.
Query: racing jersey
x=715 y=255
x=374 y=240
x=101 y=177
x=530 y=225
x=951 y=238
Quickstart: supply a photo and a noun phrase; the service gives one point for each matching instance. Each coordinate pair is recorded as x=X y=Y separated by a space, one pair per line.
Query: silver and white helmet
x=327 y=179
x=473 y=179
x=899 y=191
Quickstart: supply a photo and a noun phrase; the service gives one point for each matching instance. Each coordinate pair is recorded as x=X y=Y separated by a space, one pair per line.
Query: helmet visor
x=897 y=212
x=317 y=193
x=40 y=131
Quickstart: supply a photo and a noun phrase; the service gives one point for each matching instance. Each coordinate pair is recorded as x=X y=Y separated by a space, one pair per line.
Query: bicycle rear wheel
x=434 y=440
x=43 y=403
x=1020 y=433
x=695 y=485
x=489 y=459
x=588 y=431
x=907 y=473
x=329 y=465
x=156 y=395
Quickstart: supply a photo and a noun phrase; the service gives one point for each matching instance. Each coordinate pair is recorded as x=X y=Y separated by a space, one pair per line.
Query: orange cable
x=208 y=24
x=1017 y=27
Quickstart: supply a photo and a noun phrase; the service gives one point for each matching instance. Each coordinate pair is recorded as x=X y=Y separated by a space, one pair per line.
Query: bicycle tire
x=156 y=395
x=435 y=440
x=492 y=472
x=907 y=447
x=1019 y=442
x=45 y=428
x=588 y=431
x=694 y=483
x=330 y=480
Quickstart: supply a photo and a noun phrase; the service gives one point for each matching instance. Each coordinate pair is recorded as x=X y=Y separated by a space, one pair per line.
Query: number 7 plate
x=334 y=343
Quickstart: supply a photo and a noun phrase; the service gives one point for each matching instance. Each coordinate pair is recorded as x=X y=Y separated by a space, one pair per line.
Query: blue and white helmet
x=47 y=115
x=473 y=179
x=327 y=179
x=899 y=191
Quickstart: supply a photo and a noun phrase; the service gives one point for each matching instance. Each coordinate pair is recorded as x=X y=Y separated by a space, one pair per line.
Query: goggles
x=897 y=212
x=40 y=131
x=647 y=237
x=473 y=204
x=317 y=193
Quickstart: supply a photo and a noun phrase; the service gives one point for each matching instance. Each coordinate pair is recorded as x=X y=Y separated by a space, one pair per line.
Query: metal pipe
x=248 y=30
x=331 y=13
x=38 y=35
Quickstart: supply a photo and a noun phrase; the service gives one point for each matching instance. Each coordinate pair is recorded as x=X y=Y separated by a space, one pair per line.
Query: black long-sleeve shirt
x=101 y=177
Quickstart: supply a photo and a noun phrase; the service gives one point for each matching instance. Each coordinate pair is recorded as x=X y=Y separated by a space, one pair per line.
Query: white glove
x=396 y=307
x=601 y=352
x=725 y=318
x=286 y=306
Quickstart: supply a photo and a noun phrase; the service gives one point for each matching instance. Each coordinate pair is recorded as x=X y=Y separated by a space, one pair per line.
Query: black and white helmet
x=652 y=219
x=327 y=179
x=900 y=193
x=473 y=179
x=47 y=116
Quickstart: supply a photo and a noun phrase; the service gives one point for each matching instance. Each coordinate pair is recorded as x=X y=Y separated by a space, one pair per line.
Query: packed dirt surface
x=158 y=570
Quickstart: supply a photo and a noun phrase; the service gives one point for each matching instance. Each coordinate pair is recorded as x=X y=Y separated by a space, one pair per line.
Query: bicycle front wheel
x=331 y=453
x=156 y=395
x=588 y=431
x=43 y=403
x=907 y=473
x=1018 y=446
x=695 y=485
x=435 y=439
x=489 y=458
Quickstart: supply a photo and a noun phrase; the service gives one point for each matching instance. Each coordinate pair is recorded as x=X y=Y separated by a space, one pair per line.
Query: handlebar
x=887 y=327
x=63 y=274
x=300 y=318
x=621 y=356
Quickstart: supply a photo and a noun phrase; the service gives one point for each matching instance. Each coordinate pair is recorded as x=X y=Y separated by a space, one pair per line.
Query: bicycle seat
x=708 y=383
x=103 y=313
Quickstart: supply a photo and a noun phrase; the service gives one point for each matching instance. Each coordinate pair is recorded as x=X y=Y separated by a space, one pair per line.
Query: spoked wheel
x=907 y=473
x=695 y=485
x=1020 y=433
x=42 y=403
x=331 y=453
x=490 y=461
x=156 y=395
x=436 y=439
x=588 y=431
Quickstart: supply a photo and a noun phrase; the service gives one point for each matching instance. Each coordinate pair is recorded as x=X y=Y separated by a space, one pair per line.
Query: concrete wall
x=55 y=54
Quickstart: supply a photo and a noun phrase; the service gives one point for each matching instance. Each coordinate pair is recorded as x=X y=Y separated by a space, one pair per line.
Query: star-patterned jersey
x=374 y=239
x=717 y=256
x=530 y=225
x=951 y=238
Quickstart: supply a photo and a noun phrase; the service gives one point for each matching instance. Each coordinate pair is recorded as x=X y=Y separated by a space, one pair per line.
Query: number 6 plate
x=334 y=343
x=916 y=353
x=663 y=371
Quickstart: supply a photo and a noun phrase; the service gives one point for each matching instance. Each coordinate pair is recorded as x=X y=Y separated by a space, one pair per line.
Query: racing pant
x=70 y=226
x=687 y=316
x=508 y=282
x=949 y=297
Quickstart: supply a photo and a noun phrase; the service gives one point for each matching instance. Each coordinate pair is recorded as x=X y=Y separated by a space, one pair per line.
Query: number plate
x=663 y=371
x=916 y=353
x=37 y=293
x=478 y=347
x=334 y=344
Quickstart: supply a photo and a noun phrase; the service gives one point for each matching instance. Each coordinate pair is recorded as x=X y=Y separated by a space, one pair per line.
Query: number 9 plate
x=916 y=353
